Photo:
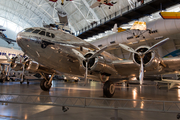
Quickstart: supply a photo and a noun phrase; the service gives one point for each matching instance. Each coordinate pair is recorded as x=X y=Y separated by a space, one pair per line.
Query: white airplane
x=4 y=37
x=61 y=52
x=100 y=2
x=156 y=30
x=4 y=52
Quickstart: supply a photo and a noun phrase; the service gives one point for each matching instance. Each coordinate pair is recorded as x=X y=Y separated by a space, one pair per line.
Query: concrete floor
x=93 y=89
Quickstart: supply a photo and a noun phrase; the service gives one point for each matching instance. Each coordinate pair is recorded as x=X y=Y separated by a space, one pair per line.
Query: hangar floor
x=93 y=89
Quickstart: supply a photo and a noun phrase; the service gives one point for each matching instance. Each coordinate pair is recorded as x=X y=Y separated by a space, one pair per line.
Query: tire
x=44 y=85
x=108 y=89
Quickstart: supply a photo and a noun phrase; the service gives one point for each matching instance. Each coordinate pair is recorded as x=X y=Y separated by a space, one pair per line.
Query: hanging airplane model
x=62 y=1
x=4 y=37
x=100 y=2
x=64 y=53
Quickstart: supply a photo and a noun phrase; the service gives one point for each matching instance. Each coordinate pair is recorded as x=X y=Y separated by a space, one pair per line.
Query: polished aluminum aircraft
x=5 y=55
x=61 y=52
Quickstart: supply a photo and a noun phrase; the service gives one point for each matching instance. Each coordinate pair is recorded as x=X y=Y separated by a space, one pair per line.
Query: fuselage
x=159 y=29
x=53 y=48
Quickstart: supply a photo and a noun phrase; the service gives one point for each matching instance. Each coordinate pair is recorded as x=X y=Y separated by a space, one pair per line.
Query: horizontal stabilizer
x=121 y=29
x=170 y=15
x=117 y=29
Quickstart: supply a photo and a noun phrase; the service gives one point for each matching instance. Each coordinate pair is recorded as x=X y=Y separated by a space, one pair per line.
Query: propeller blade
x=8 y=59
x=157 y=45
x=98 y=52
x=141 y=74
x=125 y=47
x=22 y=77
x=78 y=54
x=85 y=82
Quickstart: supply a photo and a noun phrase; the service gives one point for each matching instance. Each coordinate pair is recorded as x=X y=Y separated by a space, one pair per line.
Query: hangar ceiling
x=31 y=13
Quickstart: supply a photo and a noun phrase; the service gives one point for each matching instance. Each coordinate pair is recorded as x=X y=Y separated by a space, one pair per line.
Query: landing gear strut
x=2 y=73
x=46 y=83
x=108 y=89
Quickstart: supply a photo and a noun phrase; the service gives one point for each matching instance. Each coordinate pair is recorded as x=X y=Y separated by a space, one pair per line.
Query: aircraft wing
x=171 y=66
x=123 y=67
x=8 y=40
x=170 y=15
x=95 y=4
x=139 y=25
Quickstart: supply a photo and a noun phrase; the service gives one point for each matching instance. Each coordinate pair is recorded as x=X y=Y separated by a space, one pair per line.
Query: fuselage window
x=36 y=31
x=29 y=30
x=52 y=35
x=48 y=34
x=42 y=33
x=3 y=53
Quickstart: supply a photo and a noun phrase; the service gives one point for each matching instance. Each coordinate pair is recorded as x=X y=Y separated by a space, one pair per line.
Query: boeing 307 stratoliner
x=64 y=53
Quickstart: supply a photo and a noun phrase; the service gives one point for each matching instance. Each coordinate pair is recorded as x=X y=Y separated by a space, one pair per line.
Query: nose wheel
x=108 y=89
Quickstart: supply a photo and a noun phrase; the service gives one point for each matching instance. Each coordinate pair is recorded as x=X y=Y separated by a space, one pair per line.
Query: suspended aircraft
x=100 y=2
x=62 y=1
x=61 y=52
x=4 y=37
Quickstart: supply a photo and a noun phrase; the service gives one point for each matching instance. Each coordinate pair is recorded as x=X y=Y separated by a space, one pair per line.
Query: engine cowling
x=99 y=64
x=36 y=67
x=16 y=66
x=31 y=65
x=150 y=61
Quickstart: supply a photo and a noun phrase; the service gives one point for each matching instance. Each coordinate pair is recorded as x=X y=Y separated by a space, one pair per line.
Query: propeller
x=22 y=59
x=86 y=60
x=141 y=55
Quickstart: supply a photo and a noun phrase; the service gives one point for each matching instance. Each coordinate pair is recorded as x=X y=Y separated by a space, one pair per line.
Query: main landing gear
x=108 y=89
x=46 y=83
x=3 y=72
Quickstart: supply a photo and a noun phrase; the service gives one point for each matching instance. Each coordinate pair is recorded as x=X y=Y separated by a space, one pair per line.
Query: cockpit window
x=42 y=33
x=36 y=31
x=48 y=34
x=29 y=30
x=52 y=35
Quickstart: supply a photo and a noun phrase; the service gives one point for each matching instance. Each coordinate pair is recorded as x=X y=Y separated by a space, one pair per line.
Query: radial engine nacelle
x=33 y=66
x=16 y=66
x=151 y=60
x=99 y=64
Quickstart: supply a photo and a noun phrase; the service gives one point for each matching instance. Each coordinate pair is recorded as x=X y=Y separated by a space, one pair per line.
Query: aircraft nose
x=19 y=38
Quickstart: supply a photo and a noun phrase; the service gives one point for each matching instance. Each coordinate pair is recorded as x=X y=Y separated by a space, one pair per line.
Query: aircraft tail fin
x=115 y=28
